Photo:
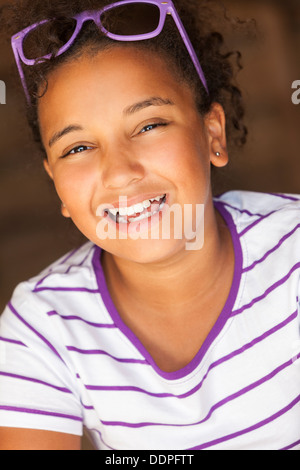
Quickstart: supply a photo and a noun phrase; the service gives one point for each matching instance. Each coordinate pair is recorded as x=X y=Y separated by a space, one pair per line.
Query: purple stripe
x=284 y=196
x=75 y=317
x=255 y=223
x=249 y=429
x=67 y=289
x=242 y=211
x=211 y=367
x=291 y=446
x=100 y=351
x=87 y=407
x=34 y=331
x=251 y=214
x=30 y=379
x=62 y=262
x=40 y=412
x=83 y=261
x=69 y=255
x=100 y=436
x=127 y=388
x=43 y=278
x=13 y=341
x=267 y=292
x=218 y=405
x=282 y=240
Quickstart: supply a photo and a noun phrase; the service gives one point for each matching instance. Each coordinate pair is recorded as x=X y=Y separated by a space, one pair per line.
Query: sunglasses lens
x=131 y=19
x=48 y=37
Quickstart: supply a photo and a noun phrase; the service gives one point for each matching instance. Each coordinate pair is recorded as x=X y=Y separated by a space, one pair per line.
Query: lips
x=136 y=212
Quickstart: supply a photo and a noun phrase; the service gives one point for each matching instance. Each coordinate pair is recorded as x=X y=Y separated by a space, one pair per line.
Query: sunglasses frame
x=165 y=8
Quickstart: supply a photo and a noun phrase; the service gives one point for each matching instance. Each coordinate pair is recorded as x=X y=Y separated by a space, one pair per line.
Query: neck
x=181 y=280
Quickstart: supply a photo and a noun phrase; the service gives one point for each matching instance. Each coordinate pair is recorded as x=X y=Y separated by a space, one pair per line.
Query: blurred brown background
x=32 y=231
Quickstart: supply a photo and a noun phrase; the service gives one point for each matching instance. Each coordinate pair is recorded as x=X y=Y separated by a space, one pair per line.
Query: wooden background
x=32 y=231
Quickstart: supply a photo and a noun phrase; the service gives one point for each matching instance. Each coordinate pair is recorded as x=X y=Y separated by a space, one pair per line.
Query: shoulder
x=77 y=264
x=62 y=284
x=266 y=227
x=253 y=202
x=38 y=317
x=37 y=372
x=74 y=268
x=261 y=210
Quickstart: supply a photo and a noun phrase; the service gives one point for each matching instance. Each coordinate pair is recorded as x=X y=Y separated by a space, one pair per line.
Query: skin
x=168 y=296
x=31 y=439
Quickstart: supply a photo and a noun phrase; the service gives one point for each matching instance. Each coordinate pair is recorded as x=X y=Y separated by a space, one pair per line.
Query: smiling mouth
x=136 y=212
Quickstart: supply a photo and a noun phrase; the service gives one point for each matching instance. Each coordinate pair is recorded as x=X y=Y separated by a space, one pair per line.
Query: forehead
x=110 y=79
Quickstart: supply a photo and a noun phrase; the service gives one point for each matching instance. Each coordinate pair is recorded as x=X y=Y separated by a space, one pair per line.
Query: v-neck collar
x=216 y=329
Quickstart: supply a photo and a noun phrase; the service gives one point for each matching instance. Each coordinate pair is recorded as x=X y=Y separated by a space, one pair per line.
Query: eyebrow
x=58 y=135
x=154 y=101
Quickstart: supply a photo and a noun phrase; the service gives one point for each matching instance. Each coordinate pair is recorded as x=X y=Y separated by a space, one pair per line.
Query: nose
x=121 y=168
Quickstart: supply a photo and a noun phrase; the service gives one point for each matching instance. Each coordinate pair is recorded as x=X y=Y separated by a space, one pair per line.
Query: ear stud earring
x=218 y=154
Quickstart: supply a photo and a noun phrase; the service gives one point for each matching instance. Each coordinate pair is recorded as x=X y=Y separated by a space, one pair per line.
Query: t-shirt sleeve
x=37 y=385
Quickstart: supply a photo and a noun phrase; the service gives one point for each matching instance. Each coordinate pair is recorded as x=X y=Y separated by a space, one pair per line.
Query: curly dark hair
x=219 y=65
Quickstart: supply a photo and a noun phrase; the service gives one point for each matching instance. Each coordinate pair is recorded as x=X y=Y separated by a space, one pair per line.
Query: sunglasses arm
x=20 y=70
x=188 y=45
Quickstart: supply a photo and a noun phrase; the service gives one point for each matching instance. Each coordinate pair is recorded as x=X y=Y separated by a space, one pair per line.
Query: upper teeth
x=135 y=209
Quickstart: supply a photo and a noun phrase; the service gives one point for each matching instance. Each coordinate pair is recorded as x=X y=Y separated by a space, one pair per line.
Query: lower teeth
x=142 y=216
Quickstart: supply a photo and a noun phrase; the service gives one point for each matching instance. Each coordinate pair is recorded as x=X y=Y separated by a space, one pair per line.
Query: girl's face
x=119 y=130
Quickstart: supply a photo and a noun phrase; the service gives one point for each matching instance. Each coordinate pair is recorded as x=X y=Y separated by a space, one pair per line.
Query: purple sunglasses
x=164 y=8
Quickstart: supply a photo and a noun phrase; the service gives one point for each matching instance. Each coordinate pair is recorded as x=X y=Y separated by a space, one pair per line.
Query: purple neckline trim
x=218 y=326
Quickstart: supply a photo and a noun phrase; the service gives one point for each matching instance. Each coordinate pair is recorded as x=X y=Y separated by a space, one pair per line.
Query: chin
x=146 y=251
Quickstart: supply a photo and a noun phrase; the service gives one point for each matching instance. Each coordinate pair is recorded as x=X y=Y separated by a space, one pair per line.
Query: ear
x=47 y=167
x=215 y=123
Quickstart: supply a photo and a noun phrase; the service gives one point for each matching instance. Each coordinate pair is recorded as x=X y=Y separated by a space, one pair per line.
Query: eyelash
x=153 y=126
x=73 y=150
x=144 y=130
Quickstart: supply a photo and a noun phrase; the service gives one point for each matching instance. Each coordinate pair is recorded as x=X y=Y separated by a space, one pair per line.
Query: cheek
x=74 y=182
x=184 y=158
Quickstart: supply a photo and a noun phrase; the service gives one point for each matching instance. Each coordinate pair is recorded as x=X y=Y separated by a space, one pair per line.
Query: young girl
x=176 y=326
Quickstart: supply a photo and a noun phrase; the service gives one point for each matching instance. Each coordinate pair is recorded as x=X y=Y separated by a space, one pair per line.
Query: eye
x=78 y=149
x=150 y=127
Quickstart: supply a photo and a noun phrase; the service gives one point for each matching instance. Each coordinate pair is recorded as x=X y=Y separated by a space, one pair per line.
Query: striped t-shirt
x=68 y=362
